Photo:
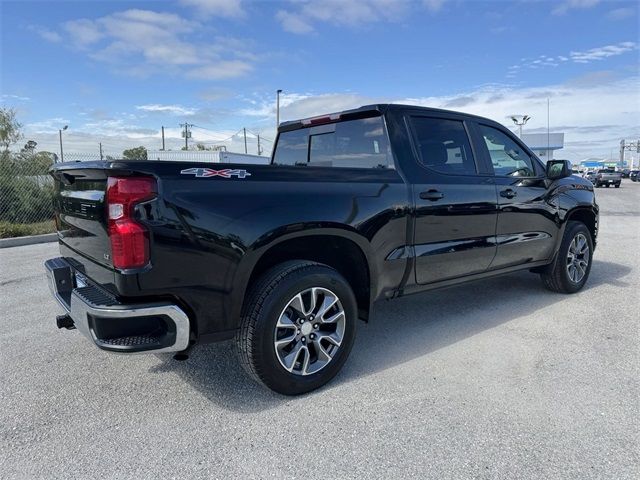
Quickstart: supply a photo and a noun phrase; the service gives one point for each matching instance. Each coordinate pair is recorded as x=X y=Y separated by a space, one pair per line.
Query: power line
x=261 y=136
x=222 y=141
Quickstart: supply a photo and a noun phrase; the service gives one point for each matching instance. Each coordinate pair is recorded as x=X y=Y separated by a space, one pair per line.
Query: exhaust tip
x=180 y=357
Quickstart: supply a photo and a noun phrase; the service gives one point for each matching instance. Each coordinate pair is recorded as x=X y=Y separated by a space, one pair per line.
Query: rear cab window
x=358 y=143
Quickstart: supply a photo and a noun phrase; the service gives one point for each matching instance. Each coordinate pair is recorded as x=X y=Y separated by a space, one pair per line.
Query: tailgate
x=81 y=213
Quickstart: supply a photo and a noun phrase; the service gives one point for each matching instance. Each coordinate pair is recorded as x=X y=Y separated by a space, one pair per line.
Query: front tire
x=570 y=270
x=297 y=327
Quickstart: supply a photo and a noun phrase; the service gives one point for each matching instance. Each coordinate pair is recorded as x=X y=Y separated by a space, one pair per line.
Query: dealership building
x=544 y=145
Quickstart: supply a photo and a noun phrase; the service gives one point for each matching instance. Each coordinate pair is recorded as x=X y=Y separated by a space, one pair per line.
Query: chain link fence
x=26 y=194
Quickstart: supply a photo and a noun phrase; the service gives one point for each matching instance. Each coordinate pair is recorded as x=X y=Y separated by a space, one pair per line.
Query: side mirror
x=558 y=169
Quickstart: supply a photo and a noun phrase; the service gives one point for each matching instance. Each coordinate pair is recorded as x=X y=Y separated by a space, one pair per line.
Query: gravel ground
x=500 y=379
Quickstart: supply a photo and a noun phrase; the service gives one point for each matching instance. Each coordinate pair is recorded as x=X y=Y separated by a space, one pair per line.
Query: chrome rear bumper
x=112 y=325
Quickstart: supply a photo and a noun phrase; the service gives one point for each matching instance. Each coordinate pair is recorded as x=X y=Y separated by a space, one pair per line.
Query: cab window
x=360 y=143
x=443 y=145
x=507 y=157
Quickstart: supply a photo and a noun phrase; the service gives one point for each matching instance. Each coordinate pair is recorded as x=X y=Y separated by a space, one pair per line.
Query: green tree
x=137 y=153
x=10 y=128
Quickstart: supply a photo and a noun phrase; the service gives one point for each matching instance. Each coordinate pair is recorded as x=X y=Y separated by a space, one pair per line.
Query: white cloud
x=18 y=98
x=214 y=94
x=433 y=5
x=301 y=15
x=83 y=32
x=141 y=43
x=45 y=33
x=294 y=23
x=587 y=56
x=219 y=8
x=220 y=70
x=567 y=5
x=601 y=53
x=47 y=126
x=622 y=13
x=171 y=109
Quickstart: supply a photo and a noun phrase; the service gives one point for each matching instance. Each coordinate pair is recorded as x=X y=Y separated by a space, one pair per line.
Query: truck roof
x=364 y=111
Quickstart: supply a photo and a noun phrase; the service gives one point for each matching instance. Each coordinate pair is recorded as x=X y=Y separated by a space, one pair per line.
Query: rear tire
x=288 y=339
x=570 y=270
x=618 y=186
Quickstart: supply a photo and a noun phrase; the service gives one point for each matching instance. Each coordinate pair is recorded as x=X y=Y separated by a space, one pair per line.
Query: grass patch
x=11 y=230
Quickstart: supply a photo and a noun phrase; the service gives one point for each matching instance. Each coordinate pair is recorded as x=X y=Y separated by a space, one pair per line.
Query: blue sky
x=117 y=71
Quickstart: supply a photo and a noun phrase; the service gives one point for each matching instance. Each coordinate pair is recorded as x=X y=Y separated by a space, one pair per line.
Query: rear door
x=526 y=229
x=455 y=200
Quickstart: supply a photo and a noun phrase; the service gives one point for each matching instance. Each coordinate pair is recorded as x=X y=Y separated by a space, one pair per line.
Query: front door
x=455 y=201
x=526 y=213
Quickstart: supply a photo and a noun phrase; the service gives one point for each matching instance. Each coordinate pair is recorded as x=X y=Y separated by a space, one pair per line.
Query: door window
x=443 y=145
x=508 y=158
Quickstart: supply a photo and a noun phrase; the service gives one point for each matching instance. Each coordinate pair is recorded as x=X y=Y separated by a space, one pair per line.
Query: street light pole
x=60 y=134
x=278 y=92
x=520 y=120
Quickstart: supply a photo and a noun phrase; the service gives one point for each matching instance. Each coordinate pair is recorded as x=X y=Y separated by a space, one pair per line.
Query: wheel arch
x=586 y=215
x=344 y=250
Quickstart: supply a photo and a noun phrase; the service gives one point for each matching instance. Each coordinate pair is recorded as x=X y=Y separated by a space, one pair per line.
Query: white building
x=211 y=156
x=544 y=145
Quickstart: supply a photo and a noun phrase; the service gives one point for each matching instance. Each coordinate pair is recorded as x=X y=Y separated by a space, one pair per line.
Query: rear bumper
x=112 y=325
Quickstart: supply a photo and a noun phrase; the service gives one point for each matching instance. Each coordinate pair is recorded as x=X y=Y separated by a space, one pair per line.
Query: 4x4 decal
x=209 y=172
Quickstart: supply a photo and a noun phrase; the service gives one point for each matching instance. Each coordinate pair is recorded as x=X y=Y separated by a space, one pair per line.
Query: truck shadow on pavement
x=398 y=332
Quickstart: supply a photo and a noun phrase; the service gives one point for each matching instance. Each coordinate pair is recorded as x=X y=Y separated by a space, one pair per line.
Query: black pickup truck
x=367 y=204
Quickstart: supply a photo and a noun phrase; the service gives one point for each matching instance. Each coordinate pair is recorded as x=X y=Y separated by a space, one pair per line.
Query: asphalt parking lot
x=499 y=379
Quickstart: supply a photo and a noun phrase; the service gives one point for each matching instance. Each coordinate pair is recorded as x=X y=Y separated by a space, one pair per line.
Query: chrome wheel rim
x=578 y=258
x=309 y=331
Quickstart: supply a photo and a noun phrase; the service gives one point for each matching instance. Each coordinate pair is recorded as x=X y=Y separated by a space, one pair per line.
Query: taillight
x=129 y=238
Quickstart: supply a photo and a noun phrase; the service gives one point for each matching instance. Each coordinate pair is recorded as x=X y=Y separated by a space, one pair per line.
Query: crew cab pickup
x=357 y=206
x=608 y=178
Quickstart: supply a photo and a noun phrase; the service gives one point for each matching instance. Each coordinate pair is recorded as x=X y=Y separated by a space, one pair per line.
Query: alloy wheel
x=578 y=258
x=309 y=331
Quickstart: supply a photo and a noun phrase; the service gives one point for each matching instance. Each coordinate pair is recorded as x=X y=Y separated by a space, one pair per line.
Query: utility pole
x=163 y=138
x=100 y=150
x=244 y=130
x=259 y=149
x=186 y=134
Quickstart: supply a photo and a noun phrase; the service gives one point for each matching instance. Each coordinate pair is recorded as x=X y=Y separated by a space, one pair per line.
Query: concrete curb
x=30 y=240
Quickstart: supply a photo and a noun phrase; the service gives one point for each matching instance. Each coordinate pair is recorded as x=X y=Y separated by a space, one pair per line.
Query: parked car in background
x=607 y=178
x=633 y=175
x=591 y=176
x=357 y=206
x=625 y=172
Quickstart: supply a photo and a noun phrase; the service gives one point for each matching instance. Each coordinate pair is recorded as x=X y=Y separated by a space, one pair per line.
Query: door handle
x=508 y=193
x=432 y=195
